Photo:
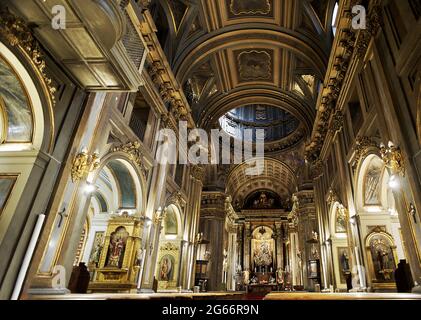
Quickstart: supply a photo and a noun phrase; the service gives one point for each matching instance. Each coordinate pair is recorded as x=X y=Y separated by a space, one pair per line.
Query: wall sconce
x=392 y=158
x=394 y=182
x=83 y=164
x=90 y=188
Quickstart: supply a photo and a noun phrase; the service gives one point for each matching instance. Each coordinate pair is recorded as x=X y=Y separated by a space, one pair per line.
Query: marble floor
x=287 y=296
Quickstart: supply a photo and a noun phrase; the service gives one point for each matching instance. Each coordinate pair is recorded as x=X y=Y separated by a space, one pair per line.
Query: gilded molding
x=317 y=169
x=337 y=122
x=83 y=164
x=362 y=144
x=18 y=34
x=169 y=246
x=198 y=172
x=133 y=152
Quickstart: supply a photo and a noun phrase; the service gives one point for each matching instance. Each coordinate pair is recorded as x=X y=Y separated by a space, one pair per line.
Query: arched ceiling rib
x=277 y=177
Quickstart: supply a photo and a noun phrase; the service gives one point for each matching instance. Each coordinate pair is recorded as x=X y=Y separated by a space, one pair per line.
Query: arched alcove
x=170 y=248
x=377 y=213
x=26 y=129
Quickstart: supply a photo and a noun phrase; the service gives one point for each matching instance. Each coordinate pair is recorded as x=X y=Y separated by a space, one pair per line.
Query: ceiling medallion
x=255 y=65
x=253 y=7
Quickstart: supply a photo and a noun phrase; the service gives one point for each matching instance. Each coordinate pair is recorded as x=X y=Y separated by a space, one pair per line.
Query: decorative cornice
x=337 y=122
x=18 y=34
x=351 y=45
x=317 y=169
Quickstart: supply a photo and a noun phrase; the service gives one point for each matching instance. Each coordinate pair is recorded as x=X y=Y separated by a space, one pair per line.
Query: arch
x=381 y=255
x=172 y=223
x=221 y=104
x=132 y=171
x=239 y=184
x=20 y=89
x=370 y=183
x=338 y=221
x=241 y=36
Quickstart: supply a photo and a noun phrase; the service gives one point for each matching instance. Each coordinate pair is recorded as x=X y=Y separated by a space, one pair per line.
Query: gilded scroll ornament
x=83 y=164
x=18 y=34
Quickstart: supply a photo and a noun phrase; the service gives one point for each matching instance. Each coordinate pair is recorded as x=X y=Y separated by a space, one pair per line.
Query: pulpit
x=119 y=263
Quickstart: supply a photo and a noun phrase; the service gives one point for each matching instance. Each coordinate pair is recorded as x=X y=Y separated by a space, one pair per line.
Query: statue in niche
x=382 y=258
x=117 y=248
x=225 y=263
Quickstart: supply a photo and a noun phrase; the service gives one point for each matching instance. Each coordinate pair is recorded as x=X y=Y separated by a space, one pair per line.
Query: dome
x=276 y=122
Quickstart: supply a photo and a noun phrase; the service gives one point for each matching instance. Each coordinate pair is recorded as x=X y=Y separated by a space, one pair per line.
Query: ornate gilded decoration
x=18 y=34
x=133 y=152
x=362 y=144
x=254 y=65
x=250 y=7
x=393 y=158
x=317 y=168
x=176 y=198
x=198 y=172
x=332 y=197
x=83 y=164
x=337 y=122
x=169 y=246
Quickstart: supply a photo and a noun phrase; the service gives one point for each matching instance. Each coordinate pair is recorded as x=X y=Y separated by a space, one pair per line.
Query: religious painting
x=117 y=248
x=255 y=65
x=166 y=268
x=382 y=257
x=262 y=253
x=96 y=250
x=6 y=185
x=250 y=7
x=372 y=182
x=126 y=185
x=15 y=104
x=341 y=220
x=343 y=263
x=170 y=222
x=263 y=199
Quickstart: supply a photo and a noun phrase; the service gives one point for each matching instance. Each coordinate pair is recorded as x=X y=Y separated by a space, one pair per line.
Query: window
x=335 y=18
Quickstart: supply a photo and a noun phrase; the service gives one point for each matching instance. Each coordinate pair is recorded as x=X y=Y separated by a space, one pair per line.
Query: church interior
x=91 y=206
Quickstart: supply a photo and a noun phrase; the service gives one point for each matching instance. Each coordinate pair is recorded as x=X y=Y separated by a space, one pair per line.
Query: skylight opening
x=334 y=18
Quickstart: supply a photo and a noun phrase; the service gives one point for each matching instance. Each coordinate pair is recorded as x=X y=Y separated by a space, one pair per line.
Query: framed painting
x=7 y=183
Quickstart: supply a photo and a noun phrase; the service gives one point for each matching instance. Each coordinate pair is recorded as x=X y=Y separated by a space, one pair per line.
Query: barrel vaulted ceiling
x=232 y=53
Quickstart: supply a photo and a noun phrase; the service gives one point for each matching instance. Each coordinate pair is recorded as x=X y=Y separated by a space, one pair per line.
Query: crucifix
x=62 y=215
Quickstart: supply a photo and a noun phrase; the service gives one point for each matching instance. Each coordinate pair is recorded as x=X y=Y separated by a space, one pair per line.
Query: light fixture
x=394 y=182
x=90 y=188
